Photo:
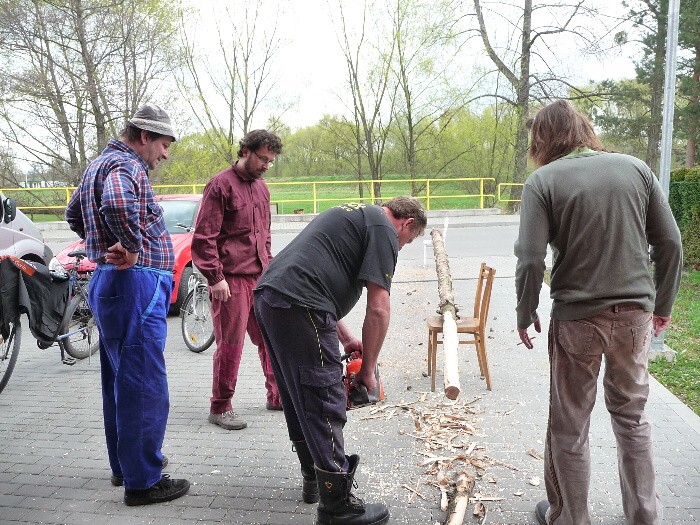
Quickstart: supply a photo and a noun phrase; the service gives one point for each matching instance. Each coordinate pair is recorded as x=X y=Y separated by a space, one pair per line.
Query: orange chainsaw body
x=357 y=394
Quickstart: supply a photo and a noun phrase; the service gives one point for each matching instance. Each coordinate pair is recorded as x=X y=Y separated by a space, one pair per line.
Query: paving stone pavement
x=53 y=464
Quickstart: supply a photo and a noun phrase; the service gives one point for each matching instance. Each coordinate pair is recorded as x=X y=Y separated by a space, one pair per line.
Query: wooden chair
x=475 y=326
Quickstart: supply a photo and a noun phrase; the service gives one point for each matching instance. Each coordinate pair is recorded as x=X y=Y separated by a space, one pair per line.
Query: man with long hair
x=599 y=212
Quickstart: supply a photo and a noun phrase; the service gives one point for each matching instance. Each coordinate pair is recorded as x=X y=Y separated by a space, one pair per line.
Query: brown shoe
x=228 y=420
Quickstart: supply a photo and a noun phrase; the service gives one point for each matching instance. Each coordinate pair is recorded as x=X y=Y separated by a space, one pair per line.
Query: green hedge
x=684 y=198
x=686 y=174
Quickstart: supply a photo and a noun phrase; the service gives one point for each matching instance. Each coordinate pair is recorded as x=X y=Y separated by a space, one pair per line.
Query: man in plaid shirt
x=114 y=210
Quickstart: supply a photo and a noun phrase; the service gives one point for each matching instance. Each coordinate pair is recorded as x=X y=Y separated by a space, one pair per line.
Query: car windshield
x=179 y=215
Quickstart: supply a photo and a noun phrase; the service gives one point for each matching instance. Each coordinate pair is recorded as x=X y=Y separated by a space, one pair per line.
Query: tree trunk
x=91 y=79
x=447 y=308
x=521 y=84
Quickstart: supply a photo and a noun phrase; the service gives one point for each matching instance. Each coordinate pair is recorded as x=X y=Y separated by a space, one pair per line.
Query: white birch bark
x=449 y=315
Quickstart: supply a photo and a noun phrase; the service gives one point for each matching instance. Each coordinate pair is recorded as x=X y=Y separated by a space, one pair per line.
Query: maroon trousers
x=232 y=319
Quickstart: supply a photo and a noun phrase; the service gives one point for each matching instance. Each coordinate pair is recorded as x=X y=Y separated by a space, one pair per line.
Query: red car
x=180 y=212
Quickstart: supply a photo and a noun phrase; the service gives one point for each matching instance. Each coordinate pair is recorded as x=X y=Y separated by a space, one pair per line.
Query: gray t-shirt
x=329 y=263
x=599 y=212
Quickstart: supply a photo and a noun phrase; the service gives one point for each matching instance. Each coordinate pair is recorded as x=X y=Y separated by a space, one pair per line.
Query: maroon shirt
x=232 y=231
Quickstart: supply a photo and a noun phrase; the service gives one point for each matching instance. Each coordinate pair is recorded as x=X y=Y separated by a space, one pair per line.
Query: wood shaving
x=535 y=454
x=414 y=491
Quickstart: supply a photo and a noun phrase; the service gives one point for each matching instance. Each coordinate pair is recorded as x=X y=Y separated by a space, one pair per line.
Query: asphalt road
x=480 y=241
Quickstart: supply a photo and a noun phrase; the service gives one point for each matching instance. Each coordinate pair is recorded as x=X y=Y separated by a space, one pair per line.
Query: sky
x=311 y=69
x=310 y=66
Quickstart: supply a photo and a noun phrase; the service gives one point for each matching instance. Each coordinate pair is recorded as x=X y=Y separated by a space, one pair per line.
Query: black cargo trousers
x=304 y=350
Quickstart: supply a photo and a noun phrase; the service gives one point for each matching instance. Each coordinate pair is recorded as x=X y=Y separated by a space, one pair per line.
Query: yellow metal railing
x=318 y=192
x=503 y=185
x=425 y=195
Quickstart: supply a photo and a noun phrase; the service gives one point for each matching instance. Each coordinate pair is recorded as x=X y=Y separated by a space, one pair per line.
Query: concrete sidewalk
x=53 y=465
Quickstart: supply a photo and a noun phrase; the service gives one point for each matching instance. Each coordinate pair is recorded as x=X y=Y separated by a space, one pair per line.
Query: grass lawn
x=683 y=376
x=45 y=217
x=298 y=193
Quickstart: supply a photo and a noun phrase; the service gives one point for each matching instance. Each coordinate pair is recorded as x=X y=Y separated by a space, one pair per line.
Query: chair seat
x=475 y=326
x=465 y=325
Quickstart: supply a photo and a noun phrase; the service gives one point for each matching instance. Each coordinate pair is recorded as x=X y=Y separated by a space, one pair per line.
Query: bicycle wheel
x=197 y=326
x=9 y=349
x=82 y=339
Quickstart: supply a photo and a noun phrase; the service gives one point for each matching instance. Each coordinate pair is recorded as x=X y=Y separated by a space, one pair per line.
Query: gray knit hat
x=152 y=118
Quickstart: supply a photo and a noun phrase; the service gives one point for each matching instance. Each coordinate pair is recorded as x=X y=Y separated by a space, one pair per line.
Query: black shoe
x=541 y=512
x=270 y=406
x=165 y=490
x=118 y=481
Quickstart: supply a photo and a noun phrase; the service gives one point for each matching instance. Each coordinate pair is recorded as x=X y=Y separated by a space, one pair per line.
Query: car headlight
x=57 y=268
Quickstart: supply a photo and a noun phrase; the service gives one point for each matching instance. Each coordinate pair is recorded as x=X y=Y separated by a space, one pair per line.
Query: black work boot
x=339 y=506
x=309 y=487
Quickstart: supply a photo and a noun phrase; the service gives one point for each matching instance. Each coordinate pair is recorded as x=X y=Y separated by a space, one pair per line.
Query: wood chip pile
x=450 y=455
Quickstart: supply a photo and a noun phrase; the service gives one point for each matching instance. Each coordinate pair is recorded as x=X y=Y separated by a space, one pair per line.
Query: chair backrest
x=482 y=298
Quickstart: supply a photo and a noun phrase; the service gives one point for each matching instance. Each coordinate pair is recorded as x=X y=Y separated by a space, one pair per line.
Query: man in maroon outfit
x=231 y=247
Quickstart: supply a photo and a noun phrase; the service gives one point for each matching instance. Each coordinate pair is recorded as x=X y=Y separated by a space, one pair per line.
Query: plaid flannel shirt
x=115 y=203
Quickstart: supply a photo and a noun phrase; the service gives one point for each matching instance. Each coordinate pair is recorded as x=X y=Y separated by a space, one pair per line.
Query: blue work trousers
x=130 y=307
x=303 y=348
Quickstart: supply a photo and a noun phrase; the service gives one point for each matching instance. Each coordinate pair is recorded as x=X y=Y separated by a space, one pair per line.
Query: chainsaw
x=356 y=392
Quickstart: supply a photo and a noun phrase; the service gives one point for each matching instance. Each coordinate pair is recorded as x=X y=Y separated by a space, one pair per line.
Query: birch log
x=463 y=488
x=447 y=308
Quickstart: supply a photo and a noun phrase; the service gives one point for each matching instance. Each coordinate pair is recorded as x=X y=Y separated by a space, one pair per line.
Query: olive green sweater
x=599 y=212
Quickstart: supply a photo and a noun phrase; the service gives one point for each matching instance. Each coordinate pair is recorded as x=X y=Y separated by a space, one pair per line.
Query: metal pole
x=669 y=95
x=657 y=344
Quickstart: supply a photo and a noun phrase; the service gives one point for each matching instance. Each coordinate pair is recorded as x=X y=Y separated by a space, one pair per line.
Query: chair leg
x=433 y=353
x=430 y=354
x=481 y=349
x=478 y=354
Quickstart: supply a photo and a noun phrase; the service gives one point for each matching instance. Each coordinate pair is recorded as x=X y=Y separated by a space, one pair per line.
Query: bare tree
x=426 y=48
x=247 y=46
x=9 y=174
x=373 y=95
x=529 y=58
x=74 y=70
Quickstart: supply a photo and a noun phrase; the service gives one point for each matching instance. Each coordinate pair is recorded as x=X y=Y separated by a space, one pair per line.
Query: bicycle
x=78 y=335
x=75 y=332
x=197 y=326
x=9 y=349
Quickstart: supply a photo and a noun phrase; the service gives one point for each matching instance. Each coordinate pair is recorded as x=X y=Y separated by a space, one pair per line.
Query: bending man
x=312 y=284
